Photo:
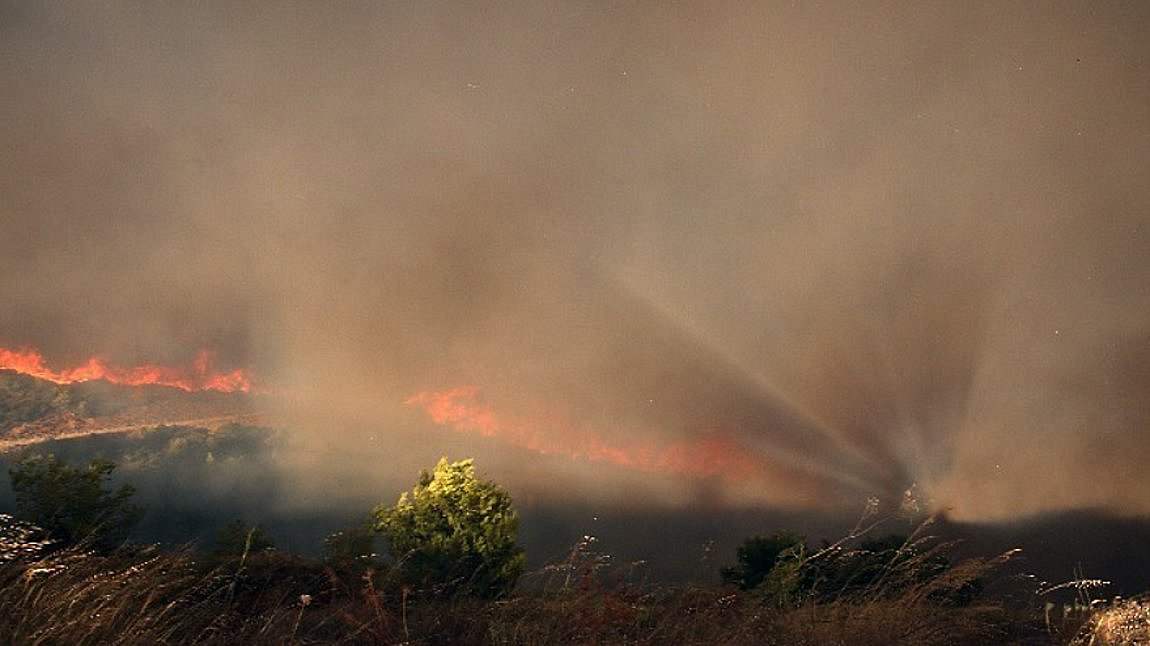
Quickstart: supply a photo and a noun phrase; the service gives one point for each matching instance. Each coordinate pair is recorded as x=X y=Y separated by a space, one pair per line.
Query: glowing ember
x=199 y=376
x=712 y=455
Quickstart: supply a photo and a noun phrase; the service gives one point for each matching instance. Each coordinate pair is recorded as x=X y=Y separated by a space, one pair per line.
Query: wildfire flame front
x=199 y=376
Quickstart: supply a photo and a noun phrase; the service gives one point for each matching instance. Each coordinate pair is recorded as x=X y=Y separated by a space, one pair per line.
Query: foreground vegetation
x=148 y=597
x=452 y=573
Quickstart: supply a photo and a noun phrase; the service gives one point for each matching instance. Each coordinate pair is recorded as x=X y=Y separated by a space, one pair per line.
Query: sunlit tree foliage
x=454 y=532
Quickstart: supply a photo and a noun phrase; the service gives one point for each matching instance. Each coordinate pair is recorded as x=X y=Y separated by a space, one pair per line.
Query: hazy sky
x=857 y=246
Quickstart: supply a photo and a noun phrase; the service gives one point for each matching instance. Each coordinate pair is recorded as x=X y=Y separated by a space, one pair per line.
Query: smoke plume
x=863 y=247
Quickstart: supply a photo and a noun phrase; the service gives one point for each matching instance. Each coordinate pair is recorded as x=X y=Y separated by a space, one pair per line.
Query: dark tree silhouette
x=74 y=505
x=757 y=556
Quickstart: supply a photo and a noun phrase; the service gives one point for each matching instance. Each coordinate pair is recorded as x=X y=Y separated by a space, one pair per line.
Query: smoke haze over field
x=861 y=246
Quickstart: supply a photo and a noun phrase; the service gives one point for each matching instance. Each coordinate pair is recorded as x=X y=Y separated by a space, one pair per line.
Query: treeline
x=453 y=532
x=189 y=479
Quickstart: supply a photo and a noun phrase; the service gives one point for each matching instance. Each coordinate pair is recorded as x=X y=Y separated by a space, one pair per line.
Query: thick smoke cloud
x=872 y=245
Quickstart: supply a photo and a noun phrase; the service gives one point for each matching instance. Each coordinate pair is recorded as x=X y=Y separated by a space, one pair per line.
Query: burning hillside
x=39 y=404
x=200 y=375
x=460 y=409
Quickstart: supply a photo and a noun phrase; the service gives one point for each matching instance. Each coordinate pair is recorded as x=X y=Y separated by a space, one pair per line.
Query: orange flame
x=199 y=376
x=713 y=455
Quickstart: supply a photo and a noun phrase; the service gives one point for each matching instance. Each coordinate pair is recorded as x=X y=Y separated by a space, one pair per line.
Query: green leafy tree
x=757 y=556
x=454 y=532
x=74 y=505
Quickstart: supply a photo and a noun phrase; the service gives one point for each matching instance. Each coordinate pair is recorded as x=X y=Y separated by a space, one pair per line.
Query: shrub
x=757 y=556
x=71 y=504
x=454 y=532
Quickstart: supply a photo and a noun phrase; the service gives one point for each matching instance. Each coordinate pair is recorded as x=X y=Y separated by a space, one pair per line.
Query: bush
x=757 y=556
x=454 y=533
x=72 y=505
x=781 y=569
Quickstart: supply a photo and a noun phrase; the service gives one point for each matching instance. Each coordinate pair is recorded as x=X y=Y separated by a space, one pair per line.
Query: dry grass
x=1122 y=621
x=79 y=598
x=155 y=597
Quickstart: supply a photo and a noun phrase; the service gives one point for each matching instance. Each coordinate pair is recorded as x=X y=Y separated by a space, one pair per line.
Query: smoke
x=871 y=246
